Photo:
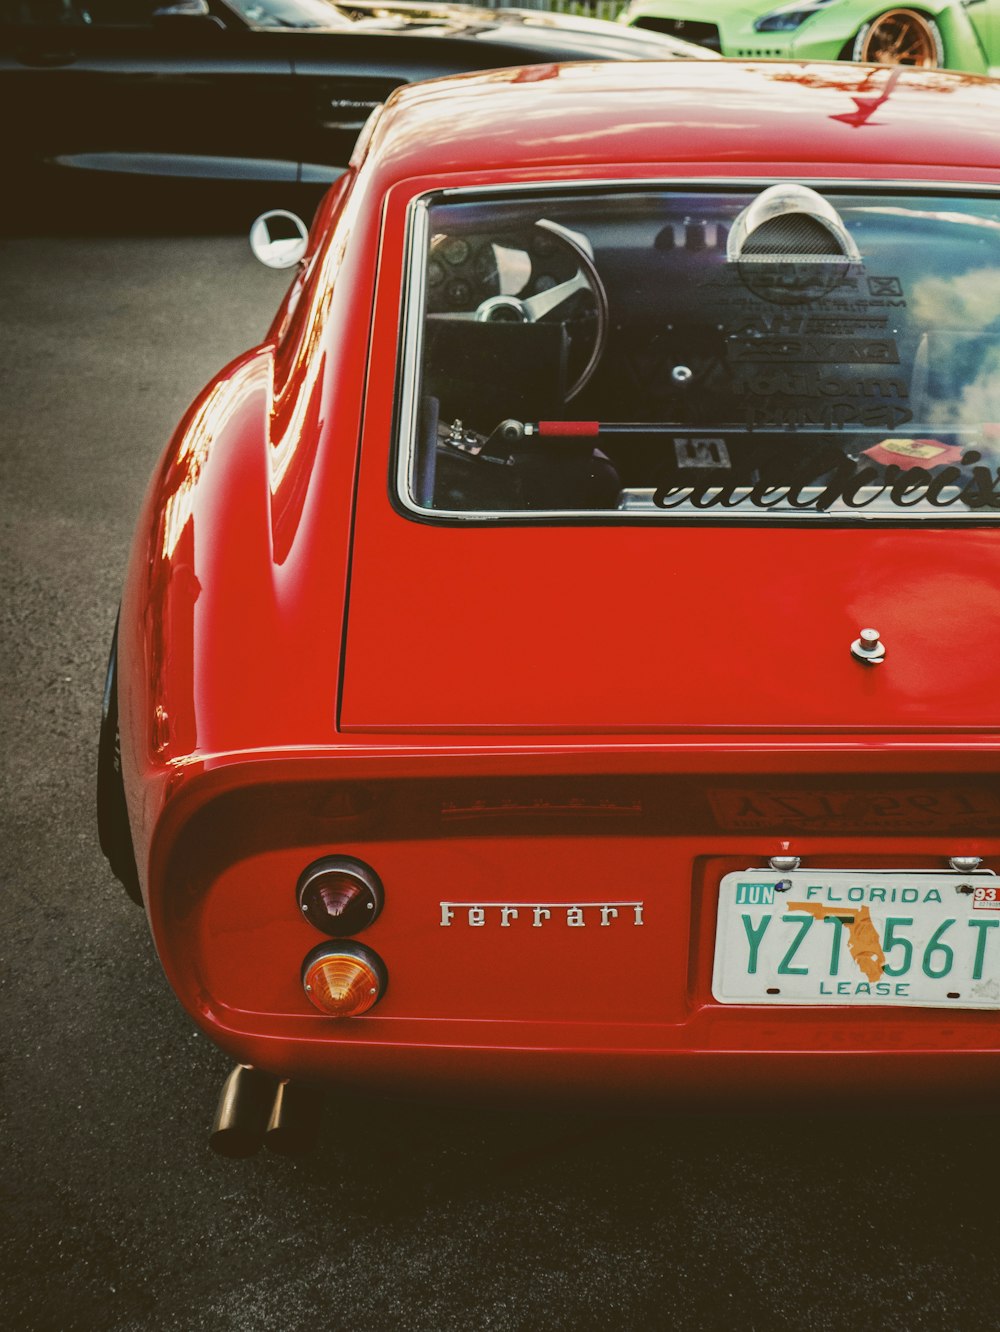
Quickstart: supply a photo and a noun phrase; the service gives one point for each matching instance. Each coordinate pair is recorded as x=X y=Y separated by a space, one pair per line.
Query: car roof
x=725 y=113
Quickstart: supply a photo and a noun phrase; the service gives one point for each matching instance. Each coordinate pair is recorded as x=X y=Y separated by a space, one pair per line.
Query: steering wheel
x=540 y=272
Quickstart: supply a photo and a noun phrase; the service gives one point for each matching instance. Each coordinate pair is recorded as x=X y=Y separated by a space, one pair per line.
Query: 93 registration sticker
x=844 y=937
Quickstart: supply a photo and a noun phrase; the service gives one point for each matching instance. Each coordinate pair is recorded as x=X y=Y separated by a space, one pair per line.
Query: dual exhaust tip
x=257 y=1109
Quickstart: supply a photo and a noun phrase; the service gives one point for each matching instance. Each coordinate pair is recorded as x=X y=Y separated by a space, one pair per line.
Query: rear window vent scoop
x=790 y=224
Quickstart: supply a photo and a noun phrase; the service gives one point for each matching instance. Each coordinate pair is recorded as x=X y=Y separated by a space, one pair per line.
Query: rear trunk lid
x=604 y=629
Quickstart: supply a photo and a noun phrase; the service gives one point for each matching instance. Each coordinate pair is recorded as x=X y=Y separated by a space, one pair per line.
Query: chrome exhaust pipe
x=293 y=1127
x=242 y=1116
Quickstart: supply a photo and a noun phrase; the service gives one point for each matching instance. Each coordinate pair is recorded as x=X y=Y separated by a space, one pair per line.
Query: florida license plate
x=850 y=937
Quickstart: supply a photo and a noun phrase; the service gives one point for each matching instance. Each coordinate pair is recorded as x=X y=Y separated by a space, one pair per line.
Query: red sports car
x=566 y=651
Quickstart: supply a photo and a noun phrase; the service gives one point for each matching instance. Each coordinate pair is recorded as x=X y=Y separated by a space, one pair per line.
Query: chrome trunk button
x=868 y=647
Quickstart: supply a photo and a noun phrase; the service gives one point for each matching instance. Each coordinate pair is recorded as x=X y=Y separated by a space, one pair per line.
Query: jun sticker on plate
x=813 y=937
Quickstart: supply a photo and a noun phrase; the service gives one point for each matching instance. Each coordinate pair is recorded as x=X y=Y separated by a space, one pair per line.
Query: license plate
x=856 y=937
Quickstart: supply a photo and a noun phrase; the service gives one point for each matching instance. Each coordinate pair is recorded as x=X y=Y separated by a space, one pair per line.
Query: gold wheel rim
x=901 y=37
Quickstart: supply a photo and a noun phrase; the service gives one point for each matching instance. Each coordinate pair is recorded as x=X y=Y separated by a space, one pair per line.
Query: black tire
x=112 y=812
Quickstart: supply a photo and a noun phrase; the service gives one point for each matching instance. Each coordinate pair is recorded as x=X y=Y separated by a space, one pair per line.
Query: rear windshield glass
x=766 y=353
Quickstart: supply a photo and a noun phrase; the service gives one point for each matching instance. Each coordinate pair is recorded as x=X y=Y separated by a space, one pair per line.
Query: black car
x=246 y=90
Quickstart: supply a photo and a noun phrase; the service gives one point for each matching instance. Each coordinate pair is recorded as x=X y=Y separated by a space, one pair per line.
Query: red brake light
x=340 y=895
x=343 y=980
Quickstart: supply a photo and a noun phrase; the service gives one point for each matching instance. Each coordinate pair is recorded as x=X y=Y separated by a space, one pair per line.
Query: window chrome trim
x=411 y=347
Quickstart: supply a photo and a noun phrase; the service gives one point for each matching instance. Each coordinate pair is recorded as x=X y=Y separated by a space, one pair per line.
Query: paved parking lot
x=408 y=1216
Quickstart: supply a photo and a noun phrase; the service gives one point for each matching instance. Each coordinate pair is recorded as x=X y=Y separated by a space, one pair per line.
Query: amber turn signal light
x=343 y=980
x=340 y=895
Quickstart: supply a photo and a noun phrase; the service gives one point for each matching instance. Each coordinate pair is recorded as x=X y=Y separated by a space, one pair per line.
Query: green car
x=959 y=34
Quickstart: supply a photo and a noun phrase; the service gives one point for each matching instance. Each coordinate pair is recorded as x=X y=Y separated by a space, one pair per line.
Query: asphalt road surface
x=407 y=1216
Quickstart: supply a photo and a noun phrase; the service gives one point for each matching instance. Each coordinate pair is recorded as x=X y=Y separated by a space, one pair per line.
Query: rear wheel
x=900 y=37
x=112 y=811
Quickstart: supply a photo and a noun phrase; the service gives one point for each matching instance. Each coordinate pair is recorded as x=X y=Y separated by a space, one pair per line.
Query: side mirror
x=279 y=239
x=194 y=12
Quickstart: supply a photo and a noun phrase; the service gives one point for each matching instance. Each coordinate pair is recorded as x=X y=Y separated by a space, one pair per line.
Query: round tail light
x=343 y=980
x=340 y=895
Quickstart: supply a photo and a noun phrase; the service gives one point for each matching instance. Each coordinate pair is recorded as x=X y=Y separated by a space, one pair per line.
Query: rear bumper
x=557 y=1002
x=613 y=1073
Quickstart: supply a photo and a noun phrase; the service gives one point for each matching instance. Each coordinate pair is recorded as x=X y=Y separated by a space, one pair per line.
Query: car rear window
x=765 y=353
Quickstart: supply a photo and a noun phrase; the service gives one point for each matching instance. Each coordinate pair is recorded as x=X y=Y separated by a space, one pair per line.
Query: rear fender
x=235 y=590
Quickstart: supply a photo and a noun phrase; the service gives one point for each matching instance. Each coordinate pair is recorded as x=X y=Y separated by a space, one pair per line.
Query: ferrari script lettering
x=536 y=915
